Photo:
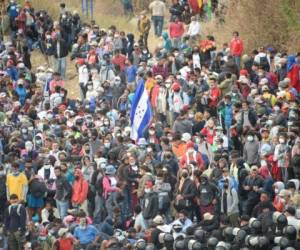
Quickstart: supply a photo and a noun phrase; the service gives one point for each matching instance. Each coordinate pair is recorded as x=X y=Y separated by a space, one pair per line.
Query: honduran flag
x=141 y=113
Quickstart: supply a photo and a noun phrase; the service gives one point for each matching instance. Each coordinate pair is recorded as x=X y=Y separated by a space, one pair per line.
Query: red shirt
x=176 y=30
x=236 y=47
x=65 y=244
x=119 y=60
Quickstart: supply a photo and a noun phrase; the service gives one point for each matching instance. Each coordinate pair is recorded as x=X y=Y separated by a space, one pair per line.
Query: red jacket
x=236 y=47
x=215 y=93
x=187 y=158
x=293 y=75
x=80 y=190
x=210 y=134
x=176 y=30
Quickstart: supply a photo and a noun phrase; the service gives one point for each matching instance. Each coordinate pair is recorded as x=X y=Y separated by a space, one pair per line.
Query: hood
x=165 y=35
x=80 y=174
x=290 y=62
x=296 y=182
x=130 y=37
x=279 y=185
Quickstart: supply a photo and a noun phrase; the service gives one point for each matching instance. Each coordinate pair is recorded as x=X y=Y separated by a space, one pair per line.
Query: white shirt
x=157 y=8
x=194 y=28
x=83 y=74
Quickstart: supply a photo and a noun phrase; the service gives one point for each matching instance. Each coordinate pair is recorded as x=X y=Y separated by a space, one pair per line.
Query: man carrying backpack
x=15 y=223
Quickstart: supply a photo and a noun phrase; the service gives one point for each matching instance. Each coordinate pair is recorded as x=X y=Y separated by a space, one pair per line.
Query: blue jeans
x=62 y=207
x=158 y=23
x=60 y=65
x=237 y=60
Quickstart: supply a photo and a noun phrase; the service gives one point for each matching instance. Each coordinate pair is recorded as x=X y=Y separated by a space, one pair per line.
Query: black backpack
x=37 y=188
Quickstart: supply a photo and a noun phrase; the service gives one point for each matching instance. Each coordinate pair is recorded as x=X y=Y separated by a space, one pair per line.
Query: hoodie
x=167 y=41
x=80 y=189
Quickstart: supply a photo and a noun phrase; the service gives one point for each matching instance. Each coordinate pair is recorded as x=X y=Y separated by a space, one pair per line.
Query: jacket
x=207 y=193
x=225 y=87
x=182 y=125
x=63 y=189
x=80 y=190
x=15 y=220
x=232 y=202
x=188 y=189
x=150 y=205
x=176 y=30
x=187 y=158
x=167 y=43
x=107 y=187
x=251 y=152
x=236 y=47
x=144 y=25
x=60 y=48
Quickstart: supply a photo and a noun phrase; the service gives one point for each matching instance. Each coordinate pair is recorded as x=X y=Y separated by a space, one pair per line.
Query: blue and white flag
x=140 y=114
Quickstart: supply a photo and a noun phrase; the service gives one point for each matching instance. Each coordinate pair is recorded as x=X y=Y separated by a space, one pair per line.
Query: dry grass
x=260 y=23
x=106 y=13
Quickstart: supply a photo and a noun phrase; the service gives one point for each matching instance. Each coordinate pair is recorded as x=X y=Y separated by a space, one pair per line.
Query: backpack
x=18 y=209
x=38 y=188
x=163 y=201
x=264 y=63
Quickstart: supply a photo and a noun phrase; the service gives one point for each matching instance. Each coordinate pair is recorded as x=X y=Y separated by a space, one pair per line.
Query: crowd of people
x=217 y=167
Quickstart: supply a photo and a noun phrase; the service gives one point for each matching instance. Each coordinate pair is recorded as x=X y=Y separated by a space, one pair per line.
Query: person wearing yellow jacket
x=144 y=25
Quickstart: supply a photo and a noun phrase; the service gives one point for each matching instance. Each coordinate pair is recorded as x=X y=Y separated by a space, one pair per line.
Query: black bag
x=37 y=188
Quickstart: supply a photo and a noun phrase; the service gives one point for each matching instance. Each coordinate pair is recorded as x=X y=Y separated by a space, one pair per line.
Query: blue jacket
x=232 y=183
x=21 y=92
x=13 y=73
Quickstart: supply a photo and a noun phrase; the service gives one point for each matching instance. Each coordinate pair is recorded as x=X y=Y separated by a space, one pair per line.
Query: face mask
x=170 y=138
x=225 y=185
x=106 y=123
x=147 y=190
x=158 y=181
x=197 y=140
x=48 y=36
x=28 y=148
x=250 y=138
x=176 y=54
x=191 y=82
x=132 y=163
x=281 y=141
x=190 y=150
x=24 y=131
x=107 y=145
x=191 y=116
x=276 y=190
x=16 y=173
x=168 y=85
x=47 y=166
x=182 y=220
x=151 y=132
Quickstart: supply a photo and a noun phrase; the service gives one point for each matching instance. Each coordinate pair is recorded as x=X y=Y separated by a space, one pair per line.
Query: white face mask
x=281 y=140
x=48 y=36
x=147 y=190
x=28 y=148
x=168 y=85
x=250 y=138
x=151 y=132
x=47 y=166
x=276 y=190
x=89 y=87
x=191 y=115
x=107 y=145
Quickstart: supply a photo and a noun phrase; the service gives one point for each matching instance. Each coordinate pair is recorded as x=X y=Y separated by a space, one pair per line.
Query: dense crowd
x=217 y=166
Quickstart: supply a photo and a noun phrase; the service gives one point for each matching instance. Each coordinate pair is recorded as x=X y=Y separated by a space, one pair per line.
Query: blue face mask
x=16 y=173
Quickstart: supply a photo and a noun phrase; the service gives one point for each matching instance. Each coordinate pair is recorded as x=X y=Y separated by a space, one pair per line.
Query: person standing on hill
x=144 y=26
x=157 y=8
x=236 y=48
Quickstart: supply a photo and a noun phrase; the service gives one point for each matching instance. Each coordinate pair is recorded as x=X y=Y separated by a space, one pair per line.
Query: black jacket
x=188 y=190
x=63 y=189
x=150 y=205
x=63 y=51
x=15 y=218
